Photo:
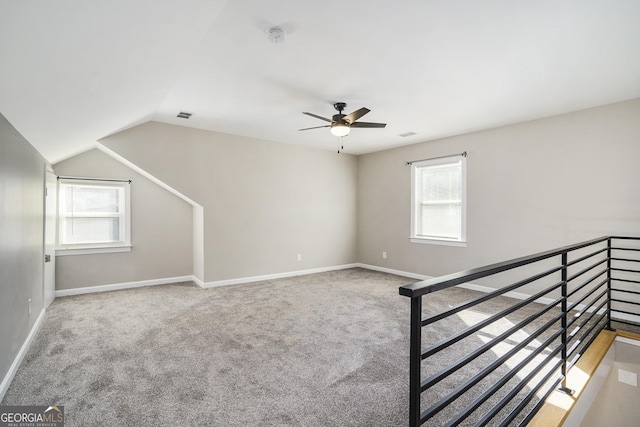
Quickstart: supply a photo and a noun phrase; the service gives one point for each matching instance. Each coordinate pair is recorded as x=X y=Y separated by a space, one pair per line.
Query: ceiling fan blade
x=318 y=117
x=367 y=125
x=352 y=117
x=317 y=127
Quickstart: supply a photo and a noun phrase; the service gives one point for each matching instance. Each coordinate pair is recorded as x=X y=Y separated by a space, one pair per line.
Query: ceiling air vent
x=184 y=115
x=406 y=134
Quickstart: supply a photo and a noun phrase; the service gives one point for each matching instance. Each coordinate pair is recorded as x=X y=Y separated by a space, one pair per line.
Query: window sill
x=96 y=250
x=441 y=242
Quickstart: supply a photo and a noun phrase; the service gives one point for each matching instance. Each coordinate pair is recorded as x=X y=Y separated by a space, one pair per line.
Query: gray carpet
x=328 y=349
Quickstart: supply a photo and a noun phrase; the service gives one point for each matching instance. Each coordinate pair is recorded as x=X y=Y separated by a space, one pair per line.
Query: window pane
x=91 y=230
x=440 y=183
x=437 y=197
x=441 y=220
x=80 y=199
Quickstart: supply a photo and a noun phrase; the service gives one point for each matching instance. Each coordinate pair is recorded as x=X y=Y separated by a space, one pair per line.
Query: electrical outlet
x=299 y=257
x=384 y=255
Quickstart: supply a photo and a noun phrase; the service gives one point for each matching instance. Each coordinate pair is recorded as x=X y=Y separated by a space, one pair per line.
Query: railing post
x=415 y=360
x=563 y=305
x=609 y=284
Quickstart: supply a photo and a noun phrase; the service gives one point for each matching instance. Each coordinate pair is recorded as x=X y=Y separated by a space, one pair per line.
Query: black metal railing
x=494 y=357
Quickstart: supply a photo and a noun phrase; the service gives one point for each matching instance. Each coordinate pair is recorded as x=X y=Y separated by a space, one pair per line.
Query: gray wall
x=161 y=231
x=21 y=240
x=264 y=202
x=530 y=187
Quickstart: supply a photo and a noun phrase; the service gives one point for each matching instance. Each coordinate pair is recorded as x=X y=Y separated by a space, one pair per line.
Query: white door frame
x=50 y=230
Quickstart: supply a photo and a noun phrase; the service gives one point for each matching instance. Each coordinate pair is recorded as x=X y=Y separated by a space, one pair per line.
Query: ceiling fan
x=341 y=123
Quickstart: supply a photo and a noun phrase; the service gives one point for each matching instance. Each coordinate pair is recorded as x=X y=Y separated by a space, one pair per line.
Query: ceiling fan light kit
x=340 y=129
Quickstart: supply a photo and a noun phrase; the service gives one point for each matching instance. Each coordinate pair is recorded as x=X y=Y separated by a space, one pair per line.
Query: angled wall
x=161 y=225
x=264 y=203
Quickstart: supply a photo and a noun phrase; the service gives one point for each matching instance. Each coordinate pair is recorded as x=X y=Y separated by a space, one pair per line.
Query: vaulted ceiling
x=73 y=72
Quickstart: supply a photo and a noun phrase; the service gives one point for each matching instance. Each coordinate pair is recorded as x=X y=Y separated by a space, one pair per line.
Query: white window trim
x=97 y=248
x=92 y=250
x=462 y=242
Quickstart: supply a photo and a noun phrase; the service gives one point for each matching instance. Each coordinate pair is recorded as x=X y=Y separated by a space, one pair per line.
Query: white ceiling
x=72 y=72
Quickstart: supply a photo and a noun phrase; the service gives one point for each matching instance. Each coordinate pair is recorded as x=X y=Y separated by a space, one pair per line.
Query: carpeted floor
x=328 y=349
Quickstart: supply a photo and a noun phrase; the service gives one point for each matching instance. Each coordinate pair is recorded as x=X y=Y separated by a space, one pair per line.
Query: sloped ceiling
x=72 y=72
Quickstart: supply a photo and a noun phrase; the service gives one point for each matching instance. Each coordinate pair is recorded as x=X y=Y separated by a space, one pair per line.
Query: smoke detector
x=276 y=35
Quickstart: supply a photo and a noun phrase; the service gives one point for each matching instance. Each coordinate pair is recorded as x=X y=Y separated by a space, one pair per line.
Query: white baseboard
x=197 y=281
x=242 y=280
x=6 y=381
x=515 y=295
x=127 y=285
x=392 y=271
x=205 y=285
x=250 y=279
x=470 y=286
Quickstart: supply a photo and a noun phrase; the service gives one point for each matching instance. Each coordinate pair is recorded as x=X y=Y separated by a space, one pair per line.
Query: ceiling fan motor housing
x=338 y=118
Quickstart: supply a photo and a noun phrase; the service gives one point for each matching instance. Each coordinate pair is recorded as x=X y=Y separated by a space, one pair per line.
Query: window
x=93 y=216
x=438 y=200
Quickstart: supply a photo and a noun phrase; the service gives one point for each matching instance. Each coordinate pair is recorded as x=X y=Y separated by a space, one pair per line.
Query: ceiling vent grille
x=406 y=134
x=183 y=115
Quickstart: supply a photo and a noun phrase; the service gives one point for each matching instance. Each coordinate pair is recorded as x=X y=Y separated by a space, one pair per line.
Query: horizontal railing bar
x=626 y=270
x=427 y=286
x=575 y=359
x=624 y=280
x=573 y=305
x=585 y=257
x=616 y=310
x=516 y=411
x=585 y=334
x=428 y=382
x=625 y=302
x=585 y=284
x=541 y=402
x=625 y=322
x=587 y=304
x=587 y=307
x=593 y=313
x=625 y=259
x=591 y=267
x=478 y=401
x=575 y=329
x=626 y=249
x=493 y=294
x=471 y=329
x=464 y=387
x=586 y=321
